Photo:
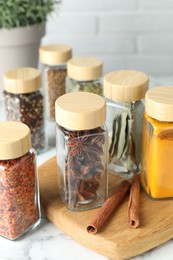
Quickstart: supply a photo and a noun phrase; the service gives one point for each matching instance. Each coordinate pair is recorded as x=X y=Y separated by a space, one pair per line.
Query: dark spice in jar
x=84 y=168
x=18 y=188
x=28 y=108
x=55 y=87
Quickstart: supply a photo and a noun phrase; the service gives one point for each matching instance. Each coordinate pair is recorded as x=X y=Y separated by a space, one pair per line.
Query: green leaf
x=15 y=13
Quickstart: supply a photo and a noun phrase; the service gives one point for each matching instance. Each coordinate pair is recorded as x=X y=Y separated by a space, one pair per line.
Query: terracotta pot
x=19 y=48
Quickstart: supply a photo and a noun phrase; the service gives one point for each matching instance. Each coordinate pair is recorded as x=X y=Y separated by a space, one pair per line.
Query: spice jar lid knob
x=15 y=140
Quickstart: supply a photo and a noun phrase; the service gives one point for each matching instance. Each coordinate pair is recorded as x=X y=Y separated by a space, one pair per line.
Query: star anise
x=77 y=146
x=84 y=166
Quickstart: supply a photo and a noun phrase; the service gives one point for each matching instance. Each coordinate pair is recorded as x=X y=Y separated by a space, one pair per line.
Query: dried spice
x=84 y=74
x=133 y=204
x=126 y=139
x=157 y=168
x=81 y=149
x=88 y=86
x=19 y=210
x=29 y=109
x=85 y=173
x=55 y=87
x=111 y=204
x=125 y=90
x=54 y=57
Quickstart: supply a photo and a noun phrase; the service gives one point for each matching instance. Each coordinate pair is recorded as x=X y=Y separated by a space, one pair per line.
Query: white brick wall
x=129 y=34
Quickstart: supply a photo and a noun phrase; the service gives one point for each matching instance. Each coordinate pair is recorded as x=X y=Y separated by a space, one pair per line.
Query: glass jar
x=157 y=163
x=24 y=102
x=124 y=91
x=54 y=58
x=84 y=75
x=81 y=150
x=19 y=193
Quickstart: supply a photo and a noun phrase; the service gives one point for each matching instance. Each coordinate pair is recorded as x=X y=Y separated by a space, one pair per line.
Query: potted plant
x=22 y=25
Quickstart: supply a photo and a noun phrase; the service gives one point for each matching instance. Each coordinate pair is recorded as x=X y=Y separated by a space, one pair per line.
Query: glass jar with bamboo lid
x=54 y=57
x=124 y=91
x=81 y=140
x=19 y=192
x=84 y=74
x=24 y=102
x=157 y=163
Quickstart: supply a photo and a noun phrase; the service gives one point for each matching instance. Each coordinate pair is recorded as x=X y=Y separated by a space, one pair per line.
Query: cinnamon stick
x=108 y=207
x=133 y=204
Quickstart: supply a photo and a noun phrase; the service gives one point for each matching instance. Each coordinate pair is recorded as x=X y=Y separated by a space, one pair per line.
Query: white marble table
x=49 y=243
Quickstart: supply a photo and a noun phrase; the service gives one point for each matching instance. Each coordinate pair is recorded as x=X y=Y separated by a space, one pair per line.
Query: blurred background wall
x=126 y=34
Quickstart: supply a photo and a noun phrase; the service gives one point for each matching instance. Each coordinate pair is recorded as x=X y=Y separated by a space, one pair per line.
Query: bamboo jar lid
x=125 y=85
x=15 y=140
x=55 y=54
x=84 y=68
x=159 y=103
x=22 y=80
x=80 y=111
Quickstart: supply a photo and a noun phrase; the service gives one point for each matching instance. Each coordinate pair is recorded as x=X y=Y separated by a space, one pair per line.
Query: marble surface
x=47 y=242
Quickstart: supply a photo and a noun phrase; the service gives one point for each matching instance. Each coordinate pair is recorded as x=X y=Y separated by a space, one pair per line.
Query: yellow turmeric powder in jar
x=157 y=162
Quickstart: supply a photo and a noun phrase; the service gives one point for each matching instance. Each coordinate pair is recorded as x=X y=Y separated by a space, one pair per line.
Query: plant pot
x=19 y=48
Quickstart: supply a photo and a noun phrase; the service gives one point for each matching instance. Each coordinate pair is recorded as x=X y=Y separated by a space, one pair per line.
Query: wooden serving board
x=116 y=240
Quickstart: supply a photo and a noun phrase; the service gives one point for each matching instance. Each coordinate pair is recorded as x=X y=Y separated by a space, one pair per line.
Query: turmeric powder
x=157 y=162
x=157 y=166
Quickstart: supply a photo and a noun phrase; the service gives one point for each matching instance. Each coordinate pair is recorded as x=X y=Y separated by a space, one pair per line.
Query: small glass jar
x=157 y=163
x=24 y=102
x=84 y=74
x=124 y=91
x=19 y=193
x=54 y=58
x=81 y=150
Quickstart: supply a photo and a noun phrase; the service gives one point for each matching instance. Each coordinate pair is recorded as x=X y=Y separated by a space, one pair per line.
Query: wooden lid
x=55 y=54
x=125 y=85
x=84 y=68
x=159 y=103
x=22 y=80
x=15 y=140
x=80 y=111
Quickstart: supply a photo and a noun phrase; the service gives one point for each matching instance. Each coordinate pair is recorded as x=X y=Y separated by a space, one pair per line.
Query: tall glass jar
x=54 y=57
x=19 y=193
x=24 y=102
x=124 y=91
x=84 y=74
x=81 y=150
x=157 y=163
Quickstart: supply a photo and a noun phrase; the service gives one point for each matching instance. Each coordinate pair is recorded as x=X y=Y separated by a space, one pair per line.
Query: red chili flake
x=19 y=208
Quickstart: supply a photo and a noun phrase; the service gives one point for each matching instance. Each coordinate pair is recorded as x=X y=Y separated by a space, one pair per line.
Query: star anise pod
x=77 y=146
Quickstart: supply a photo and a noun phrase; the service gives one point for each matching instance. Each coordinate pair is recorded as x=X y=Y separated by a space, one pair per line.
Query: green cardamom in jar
x=84 y=74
